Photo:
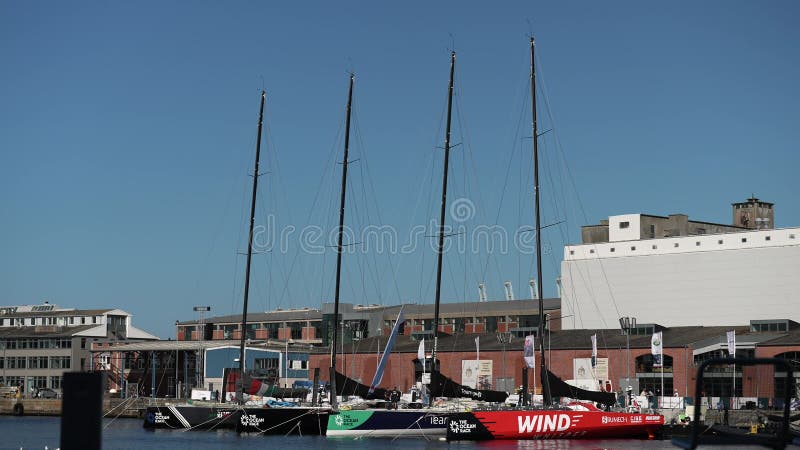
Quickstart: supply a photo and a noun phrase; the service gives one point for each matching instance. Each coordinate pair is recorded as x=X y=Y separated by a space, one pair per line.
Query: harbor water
x=43 y=432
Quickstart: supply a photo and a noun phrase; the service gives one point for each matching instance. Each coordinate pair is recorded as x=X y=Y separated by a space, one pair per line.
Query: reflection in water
x=38 y=432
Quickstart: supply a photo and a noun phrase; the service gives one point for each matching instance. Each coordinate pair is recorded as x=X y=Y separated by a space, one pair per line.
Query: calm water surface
x=40 y=432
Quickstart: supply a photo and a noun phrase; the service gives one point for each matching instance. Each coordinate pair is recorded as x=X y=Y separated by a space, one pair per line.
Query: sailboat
x=369 y=422
x=274 y=420
x=579 y=421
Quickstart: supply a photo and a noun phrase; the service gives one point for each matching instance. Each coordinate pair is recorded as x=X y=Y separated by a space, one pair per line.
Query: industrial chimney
x=481 y=292
x=509 y=290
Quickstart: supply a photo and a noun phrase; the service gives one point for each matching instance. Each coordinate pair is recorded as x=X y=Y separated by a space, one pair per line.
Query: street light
x=200 y=333
x=378 y=356
x=286 y=365
x=504 y=338
x=627 y=324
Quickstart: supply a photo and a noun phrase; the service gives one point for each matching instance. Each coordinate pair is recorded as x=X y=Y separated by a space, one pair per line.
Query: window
x=652 y=231
x=697 y=244
x=39 y=382
x=571 y=252
x=719 y=242
x=767 y=238
x=744 y=239
x=591 y=250
x=655 y=247
x=55 y=382
x=791 y=236
x=612 y=250
x=675 y=245
x=59 y=362
x=37 y=362
x=633 y=248
x=624 y=224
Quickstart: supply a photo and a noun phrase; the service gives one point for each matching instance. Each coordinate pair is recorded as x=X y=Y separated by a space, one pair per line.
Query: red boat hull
x=551 y=424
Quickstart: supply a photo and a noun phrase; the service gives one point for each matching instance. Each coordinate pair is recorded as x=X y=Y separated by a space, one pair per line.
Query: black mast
x=339 y=246
x=441 y=221
x=249 y=253
x=546 y=397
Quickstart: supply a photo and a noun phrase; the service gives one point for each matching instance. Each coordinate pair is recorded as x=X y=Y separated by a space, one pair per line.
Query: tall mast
x=250 y=252
x=441 y=219
x=540 y=332
x=339 y=246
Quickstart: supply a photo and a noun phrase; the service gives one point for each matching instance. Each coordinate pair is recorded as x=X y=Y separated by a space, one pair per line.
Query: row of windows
x=771 y=326
x=34 y=343
x=36 y=362
x=676 y=244
x=295 y=328
x=37 y=382
x=32 y=321
x=527 y=320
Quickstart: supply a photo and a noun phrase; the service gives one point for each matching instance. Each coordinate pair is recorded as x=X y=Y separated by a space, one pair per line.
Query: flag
x=421 y=352
x=594 y=351
x=478 y=348
x=732 y=344
x=529 y=354
x=657 y=349
x=376 y=380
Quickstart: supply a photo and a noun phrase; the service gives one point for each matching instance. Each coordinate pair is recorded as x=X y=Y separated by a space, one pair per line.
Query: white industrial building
x=673 y=272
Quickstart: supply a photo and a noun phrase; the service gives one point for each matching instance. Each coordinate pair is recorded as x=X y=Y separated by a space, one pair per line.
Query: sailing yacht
x=578 y=420
x=373 y=422
x=279 y=420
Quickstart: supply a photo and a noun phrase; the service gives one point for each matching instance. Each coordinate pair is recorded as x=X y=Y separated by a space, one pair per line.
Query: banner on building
x=529 y=353
x=657 y=349
x=732 y=344
x=594 y=351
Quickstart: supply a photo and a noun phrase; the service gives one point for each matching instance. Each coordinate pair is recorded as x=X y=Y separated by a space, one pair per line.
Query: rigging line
x=328 y=164
x=286 y=204
x=466 y=156
x=366 y=168
x=430 y=212
x=580 y=203
x=243 y=208
x=373 y=273
x=505 y=183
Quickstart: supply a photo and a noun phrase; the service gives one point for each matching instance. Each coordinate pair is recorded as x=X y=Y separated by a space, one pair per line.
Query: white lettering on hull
x=543 y=423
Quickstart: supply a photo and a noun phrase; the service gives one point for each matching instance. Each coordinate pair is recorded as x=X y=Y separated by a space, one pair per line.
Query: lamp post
x=504 y=338
x=286 y=365
x=200 y=332
x=378 y=356
x=627 y=324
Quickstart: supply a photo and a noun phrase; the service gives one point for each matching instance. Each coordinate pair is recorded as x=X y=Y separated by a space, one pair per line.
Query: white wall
x=632 y=232
x=707 y=284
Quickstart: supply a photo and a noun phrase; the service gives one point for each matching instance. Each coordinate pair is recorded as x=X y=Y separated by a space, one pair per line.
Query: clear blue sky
x=127 y=130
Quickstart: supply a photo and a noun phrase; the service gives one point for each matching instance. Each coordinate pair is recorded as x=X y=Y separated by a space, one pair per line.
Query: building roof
x=43 y=331
x=411 y=311
x=792 y=337
x=269 y=316
x=676 y=337
x=193 y=345
x=58 y=312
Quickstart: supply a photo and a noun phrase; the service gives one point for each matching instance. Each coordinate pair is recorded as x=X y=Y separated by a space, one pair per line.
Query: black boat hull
x=190 y=417
x=301 y=421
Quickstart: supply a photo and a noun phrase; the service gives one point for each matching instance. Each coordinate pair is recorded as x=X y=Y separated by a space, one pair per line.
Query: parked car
x=45 y=393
